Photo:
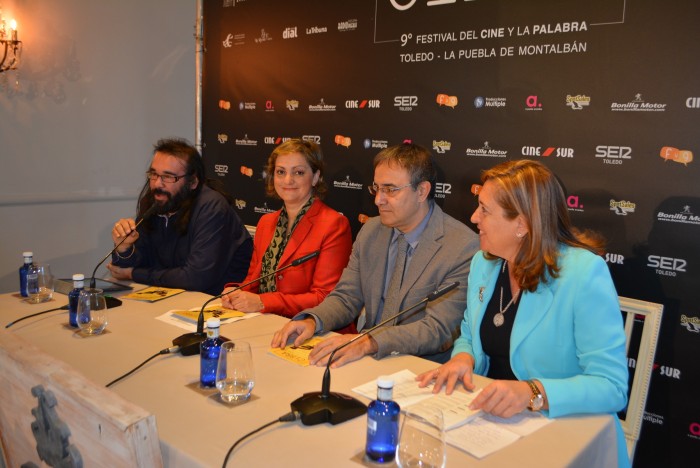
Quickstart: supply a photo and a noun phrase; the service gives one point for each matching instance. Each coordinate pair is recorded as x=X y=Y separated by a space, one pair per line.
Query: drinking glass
x=92 y=311
x=422 y=439
x=39 y=283
x=235 y=377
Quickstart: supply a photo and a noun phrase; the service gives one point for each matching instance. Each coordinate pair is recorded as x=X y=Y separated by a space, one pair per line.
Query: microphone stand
x=147 y=214
x=335 y=408
x=189 y=342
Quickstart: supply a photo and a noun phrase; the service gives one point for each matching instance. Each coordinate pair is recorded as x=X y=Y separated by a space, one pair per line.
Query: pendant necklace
x=499 y=318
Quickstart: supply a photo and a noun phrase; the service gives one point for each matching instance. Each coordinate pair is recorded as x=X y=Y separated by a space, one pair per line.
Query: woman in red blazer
x=303 y=225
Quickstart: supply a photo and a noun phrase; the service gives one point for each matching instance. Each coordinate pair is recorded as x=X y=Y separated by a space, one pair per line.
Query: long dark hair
x=194 y=170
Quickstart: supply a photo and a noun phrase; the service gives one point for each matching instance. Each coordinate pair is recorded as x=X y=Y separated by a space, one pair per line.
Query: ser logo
x=442 y=189
x=405 y=103
x=221 y=169
x=667 y=266
x=613 y=154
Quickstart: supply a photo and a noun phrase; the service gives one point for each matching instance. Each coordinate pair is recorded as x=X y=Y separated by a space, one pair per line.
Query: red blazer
x=306 y=285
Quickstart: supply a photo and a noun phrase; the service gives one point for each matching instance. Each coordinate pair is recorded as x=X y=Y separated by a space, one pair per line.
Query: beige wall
x=99 y=83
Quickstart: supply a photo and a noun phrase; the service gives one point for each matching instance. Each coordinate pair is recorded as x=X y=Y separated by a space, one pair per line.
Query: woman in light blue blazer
x=542 y=318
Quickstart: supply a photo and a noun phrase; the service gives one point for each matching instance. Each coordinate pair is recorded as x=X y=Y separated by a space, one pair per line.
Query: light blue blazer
x=568 y=334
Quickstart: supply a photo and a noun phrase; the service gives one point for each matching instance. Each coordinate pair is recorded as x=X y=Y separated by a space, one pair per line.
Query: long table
x=197 y=430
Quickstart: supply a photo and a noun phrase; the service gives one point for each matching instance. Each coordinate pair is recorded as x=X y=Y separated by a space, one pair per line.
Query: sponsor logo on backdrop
x=240 y=204
x=578 y=102
x=263 y=209
x=622 y=207
x=613 y=154
x=347 y=25
x=442 y=189
x=290 y=33
x=322 y=107
x=221 y=169
x=694 y=430
x=532 y=103
x=271 y=140
x=312 y=138
x=362 y=218
x=292 y=104
x=638 y=104
x=447 y=100
x=481 y=101
x=347 y=184
x=343 y=141
x=667 y=266
x=616 y=259
x=405 y=103
x=685 y=216
x=222 y=138
x=692 y=103
x=487 y=151
x=666 y=371
x=269 y=106
x=574 y=203
x=674 y=154
x=548 y=151
x=316 y=30
x=692 y=324
x=362 y=104
x=442 y=146
x=234 y=40
x=245 y=141
x=263 y=37
x=246 y=171
x=653 y=418
x=246 y=105
x=375 y=144
x=225 y=105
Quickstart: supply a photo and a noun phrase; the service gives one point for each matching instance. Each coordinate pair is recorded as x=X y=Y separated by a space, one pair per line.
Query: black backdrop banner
x=604 y=92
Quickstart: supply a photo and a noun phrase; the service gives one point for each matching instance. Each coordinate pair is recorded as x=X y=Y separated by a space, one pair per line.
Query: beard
x=173 y=202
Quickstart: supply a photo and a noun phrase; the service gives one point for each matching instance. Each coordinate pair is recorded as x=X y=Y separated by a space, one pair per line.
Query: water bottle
x=383 y=423
x=78 y=285
x=209 y=354
x=28 y=260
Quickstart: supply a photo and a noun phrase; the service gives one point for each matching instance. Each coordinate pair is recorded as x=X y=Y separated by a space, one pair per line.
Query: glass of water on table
x=235 y=376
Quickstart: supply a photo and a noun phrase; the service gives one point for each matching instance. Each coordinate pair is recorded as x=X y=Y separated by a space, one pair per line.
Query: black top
x=496 y=340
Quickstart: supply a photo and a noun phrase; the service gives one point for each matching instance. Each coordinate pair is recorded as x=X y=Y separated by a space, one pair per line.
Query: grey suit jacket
x=442 y=256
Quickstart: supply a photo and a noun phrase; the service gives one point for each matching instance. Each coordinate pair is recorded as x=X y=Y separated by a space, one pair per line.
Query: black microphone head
x=305 y=258
x=150 y=211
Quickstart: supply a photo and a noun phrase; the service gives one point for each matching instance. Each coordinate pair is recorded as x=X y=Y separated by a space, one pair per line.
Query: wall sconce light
x=10 y=46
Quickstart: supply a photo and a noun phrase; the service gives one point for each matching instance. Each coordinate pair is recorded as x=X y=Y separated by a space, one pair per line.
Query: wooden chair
x=51 y=413
x=650 y=313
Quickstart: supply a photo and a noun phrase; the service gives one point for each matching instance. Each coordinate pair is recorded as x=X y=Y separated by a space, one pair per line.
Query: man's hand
x=322 y=351
x=297 y=330
x=119 y=272
x=125 y=227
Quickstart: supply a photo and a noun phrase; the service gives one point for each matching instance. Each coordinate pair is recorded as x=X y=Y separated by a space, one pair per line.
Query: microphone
x=146 y=215
x=109 y=300
x=335 y=408
x=189 y=342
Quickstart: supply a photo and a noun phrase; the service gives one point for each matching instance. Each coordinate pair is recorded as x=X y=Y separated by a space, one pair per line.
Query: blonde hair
x=529 y=189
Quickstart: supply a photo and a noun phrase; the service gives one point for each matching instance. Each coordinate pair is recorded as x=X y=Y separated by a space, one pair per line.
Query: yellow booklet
x=210 y=311
x=300 y=354
x=153 y=293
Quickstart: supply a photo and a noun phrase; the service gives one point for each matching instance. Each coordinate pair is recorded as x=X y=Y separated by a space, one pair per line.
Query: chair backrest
x=650 y=313
x=50 y=412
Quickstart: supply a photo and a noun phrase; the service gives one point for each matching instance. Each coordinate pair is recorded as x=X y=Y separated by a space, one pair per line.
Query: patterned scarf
x=277 y=245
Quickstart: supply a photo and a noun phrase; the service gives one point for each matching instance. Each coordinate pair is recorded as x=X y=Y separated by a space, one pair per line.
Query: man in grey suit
x=431 y=248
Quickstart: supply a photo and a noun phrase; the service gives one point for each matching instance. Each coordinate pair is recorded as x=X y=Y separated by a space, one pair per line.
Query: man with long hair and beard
x=195 y=240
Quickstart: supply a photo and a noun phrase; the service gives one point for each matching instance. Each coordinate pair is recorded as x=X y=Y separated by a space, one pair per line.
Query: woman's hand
x=242 y=300
x=503 y=398
x=460 y=367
